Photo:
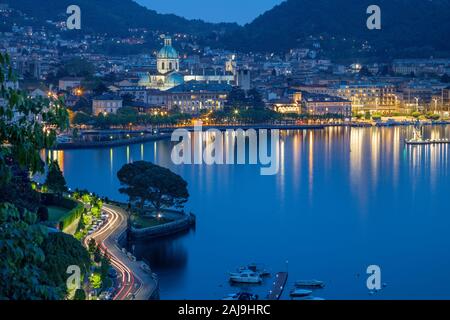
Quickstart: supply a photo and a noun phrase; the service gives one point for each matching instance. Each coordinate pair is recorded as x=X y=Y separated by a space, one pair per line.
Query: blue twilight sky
x=240 y=11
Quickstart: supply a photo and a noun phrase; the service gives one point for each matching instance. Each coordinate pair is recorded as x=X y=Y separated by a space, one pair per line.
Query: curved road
x=135 y=283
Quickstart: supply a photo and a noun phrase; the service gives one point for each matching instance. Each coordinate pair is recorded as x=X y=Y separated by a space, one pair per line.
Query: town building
x=322 y=104
x=313 y=104
x=372 y=97
x=291 y=104
x=194 y=97
x=243 y=79
x=106 y=104
x=421 y=66
x=138 y=93
x=69 y=83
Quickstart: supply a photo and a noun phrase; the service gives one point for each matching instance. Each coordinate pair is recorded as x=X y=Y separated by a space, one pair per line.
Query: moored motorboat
x=310 y=284
x=245 y=276
x=300 y=293
x=309 y=298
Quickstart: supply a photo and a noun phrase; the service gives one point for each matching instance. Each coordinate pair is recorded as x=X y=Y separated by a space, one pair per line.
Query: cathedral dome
x=167 y=52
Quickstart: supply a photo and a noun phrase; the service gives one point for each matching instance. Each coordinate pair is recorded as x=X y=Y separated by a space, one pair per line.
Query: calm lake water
x=344 y=199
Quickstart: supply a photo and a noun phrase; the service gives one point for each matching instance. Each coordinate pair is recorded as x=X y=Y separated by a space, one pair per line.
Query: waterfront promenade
x=135 y=282
x=109 y=144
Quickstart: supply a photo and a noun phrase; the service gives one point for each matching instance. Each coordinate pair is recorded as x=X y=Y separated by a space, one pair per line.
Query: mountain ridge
x=410 y=28
x=405 y=24
x=116 y=16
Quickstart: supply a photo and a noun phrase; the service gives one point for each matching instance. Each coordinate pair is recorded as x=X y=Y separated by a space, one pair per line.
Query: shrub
x=96 y=281
x=80 y=295
x=416 y=114
x=71 y=216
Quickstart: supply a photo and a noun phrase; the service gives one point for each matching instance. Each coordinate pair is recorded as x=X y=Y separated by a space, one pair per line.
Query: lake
x=344 y=199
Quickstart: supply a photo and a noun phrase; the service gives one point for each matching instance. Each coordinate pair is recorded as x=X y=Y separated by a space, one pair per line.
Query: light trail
x=102 y=236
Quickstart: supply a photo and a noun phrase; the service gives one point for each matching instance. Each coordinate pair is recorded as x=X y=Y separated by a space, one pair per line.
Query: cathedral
x=168 y=66
x=169 y=75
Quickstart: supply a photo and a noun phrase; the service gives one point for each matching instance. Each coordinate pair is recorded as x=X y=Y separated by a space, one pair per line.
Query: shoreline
x=165 y=133
x=109 y=144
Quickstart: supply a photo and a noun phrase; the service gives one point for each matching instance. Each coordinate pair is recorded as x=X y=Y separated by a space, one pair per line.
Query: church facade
x=168 y=66
x=168 y=73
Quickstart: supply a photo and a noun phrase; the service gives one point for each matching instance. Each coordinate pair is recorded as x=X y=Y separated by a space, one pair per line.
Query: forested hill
x=407 y=26
x=115 y=16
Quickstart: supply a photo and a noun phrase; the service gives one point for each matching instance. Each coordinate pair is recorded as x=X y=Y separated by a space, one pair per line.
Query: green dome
x=168 y=52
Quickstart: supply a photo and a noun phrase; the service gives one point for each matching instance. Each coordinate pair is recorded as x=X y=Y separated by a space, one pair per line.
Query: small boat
x=241 y=296
x=245 y=276
x=256 y=269
x=311 y=298
x=63 y=139
x=310 y=284
x=300 y=293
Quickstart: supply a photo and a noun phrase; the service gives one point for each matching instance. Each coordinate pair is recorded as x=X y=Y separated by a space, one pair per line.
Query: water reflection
x=168 y=254
x=343 y=197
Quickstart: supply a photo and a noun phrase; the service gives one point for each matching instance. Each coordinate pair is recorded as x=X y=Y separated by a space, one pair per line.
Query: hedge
x=76 y=208
x=50 y=199
x=71 y=216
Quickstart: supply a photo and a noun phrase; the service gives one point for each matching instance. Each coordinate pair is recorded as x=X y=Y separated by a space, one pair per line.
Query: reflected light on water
x=332 y=199
x=111 y=160
x=310 y=165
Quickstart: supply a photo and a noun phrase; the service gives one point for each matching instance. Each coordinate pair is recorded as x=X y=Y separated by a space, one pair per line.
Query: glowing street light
x=78 y=92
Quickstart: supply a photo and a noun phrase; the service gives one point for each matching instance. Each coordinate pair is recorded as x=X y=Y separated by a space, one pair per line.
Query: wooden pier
x=278 y=286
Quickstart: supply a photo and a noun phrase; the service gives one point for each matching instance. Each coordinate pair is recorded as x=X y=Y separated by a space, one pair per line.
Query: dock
x=427 y=142
x=278 y=286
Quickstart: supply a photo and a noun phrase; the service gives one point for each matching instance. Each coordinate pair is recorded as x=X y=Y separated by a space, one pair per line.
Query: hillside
x=115 y=16
x=409 y=27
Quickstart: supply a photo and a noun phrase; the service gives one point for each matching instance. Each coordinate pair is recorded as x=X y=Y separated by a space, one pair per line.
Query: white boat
x=245 y=276
x=309 y=298
x=256 y=269
x=63 y=139
x=300 y=293
x=310 y=284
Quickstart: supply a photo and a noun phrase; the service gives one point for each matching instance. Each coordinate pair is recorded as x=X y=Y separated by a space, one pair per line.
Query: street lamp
x=78 y=92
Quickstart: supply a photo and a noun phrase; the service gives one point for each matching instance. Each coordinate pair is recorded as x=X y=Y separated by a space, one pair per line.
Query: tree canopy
x=22 y=273
x=55 y=181
x=146 y=182
x=61 y=251
x=77 y=67
x=32 y=261
x=26 y=125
